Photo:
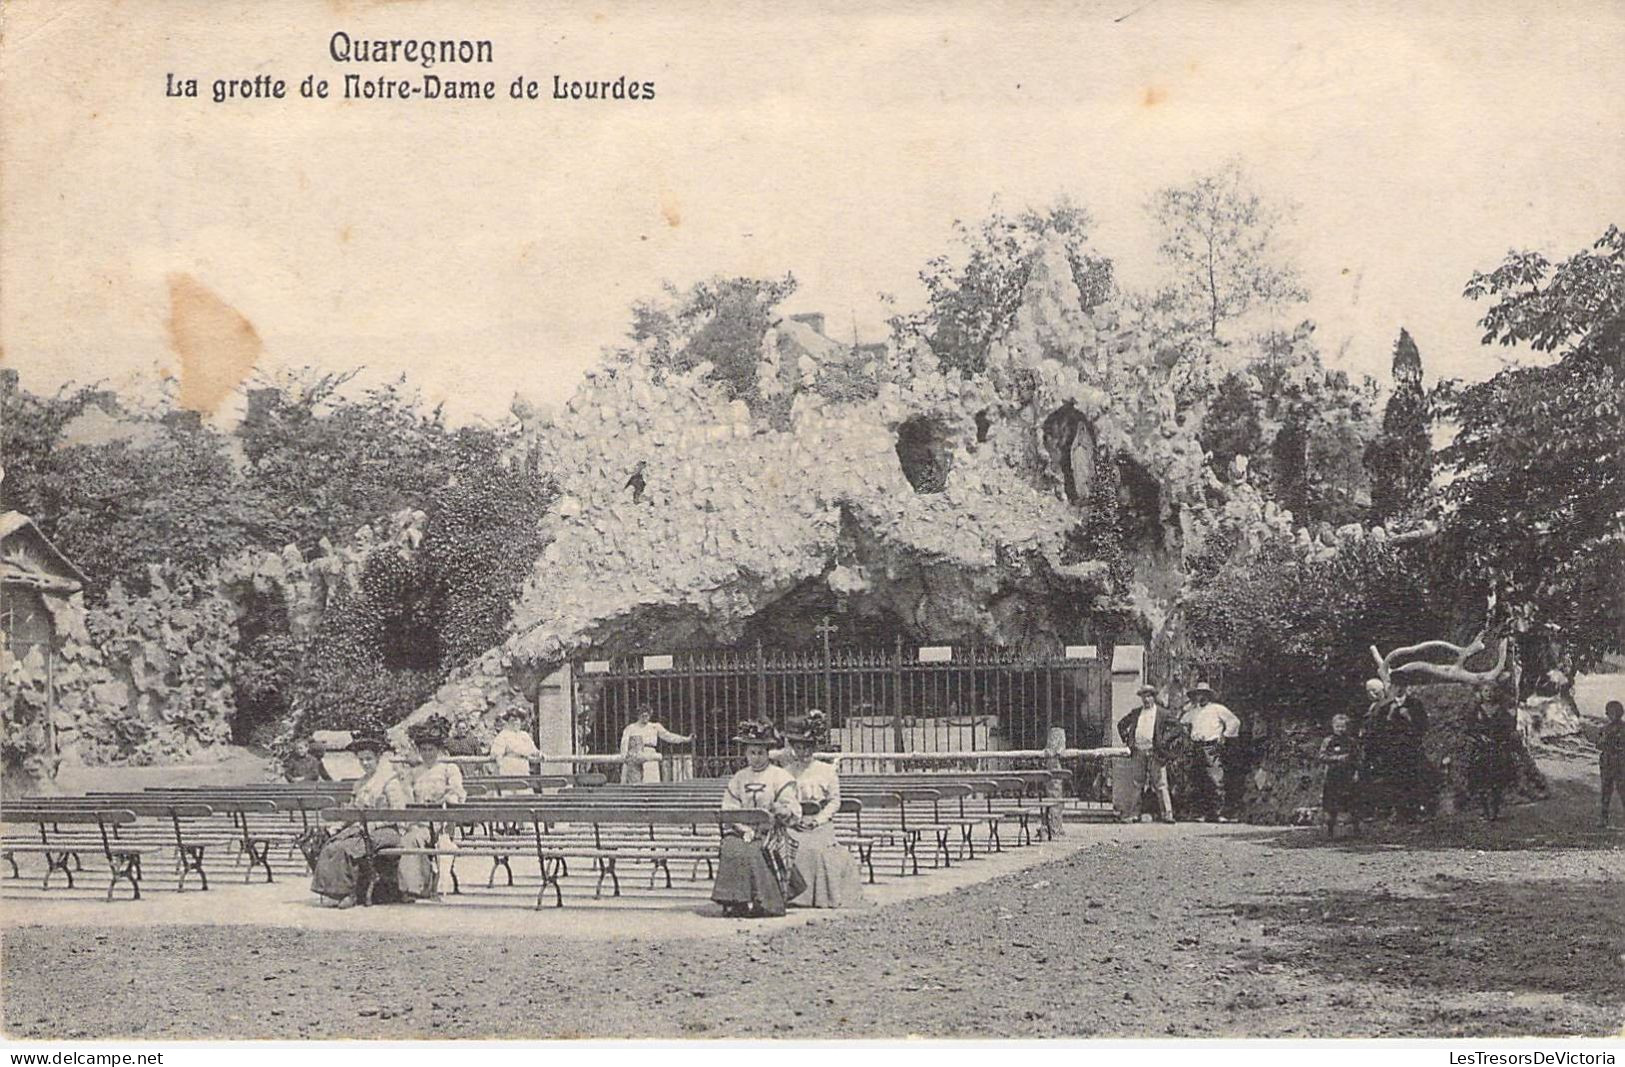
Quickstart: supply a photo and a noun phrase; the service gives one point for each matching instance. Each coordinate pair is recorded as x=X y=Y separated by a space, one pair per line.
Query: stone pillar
x=555 y=719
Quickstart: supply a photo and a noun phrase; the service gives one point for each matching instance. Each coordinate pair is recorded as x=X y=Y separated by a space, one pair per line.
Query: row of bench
x=656 y=823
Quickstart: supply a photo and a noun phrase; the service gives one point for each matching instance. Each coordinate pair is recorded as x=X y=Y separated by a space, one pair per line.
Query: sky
x=487 y=248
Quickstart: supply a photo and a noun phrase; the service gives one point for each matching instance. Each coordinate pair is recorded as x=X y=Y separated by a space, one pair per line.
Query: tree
x=972 y=299
x=324 y=464
x=1400 y=460
x=1219 y=243
x=1231 y=427
x=721 y=321
x=30 y=430
x=1290 y=634
x=1534 y=510
x=171 y=497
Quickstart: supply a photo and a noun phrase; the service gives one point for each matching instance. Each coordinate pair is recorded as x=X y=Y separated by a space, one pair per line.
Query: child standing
x=1611 y=758
x=1339 y=755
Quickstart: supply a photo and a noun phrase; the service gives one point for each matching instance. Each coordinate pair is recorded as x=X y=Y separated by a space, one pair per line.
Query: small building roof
x=40 y=565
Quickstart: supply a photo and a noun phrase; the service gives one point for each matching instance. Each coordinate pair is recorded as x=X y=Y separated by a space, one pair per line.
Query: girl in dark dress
x=1339 y=754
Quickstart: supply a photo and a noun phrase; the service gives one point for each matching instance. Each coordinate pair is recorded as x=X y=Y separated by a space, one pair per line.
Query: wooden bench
x=251 y=840
x=708 y=791
x=123 y=859
x=181 y=817
x=551 y=855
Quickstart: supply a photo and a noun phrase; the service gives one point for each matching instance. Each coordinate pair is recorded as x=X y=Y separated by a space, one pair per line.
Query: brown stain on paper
x=217 y=346
x=1154 y=95
x=669 y=210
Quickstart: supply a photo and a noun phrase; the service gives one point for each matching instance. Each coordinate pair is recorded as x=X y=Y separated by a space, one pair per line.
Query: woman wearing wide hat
x=756 y=872
x=339 y=867
x=825 y=864
x=436 y=781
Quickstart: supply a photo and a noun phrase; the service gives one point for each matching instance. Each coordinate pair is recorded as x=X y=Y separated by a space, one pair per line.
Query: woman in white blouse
x=640 y=747
x=825 y=864
x=756 y=870
x=512 y=748
x=435 y=782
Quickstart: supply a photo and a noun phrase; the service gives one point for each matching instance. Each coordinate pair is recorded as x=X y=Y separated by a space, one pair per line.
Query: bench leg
x=967 y=841
x=942 y=848
x=866 y=856
x=1026 y=827
x=191 y=860
x=456 y=886
x=659 y=865
x=994 y=842
x=58 y=861
x=125 y=866
x=547 y=880
x=502 y=861
x=11 y=859
x=606 y=869
x=911 y=842
x=259 y=855
x=368 y=881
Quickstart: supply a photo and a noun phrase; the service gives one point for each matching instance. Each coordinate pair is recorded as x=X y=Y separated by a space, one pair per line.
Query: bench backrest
x=612 y=814
x=55 y=814
x=184 y=809
x=484 y=786
x=222 y=803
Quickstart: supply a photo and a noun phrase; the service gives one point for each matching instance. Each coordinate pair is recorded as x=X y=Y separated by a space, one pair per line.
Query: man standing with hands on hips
x=1213 y=726
x=1153 y=738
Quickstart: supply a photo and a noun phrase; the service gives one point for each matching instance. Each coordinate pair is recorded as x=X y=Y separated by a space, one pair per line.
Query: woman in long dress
x=337 y=874
x=643 y=765
x=513 y=749
x=824 y=863
x=756 y=871
x=435 y=782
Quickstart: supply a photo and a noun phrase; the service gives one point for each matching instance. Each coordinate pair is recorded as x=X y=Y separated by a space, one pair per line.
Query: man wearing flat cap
x=1213 y=726
x=1153 y=739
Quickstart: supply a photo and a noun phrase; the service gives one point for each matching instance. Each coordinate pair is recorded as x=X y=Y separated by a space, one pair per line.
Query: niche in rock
x=925 y=449
x=1139 y=505
x=1071 y=441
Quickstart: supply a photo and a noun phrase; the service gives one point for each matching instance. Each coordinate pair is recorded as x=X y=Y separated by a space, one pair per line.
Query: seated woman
x=337 y=875
x=434 y=782
x=827 y=866
x=756 y=871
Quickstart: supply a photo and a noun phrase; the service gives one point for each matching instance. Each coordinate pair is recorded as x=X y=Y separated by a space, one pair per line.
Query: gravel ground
x=1453 y=929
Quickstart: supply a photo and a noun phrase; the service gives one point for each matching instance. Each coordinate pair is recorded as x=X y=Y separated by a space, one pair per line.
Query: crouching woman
x=347 y=856
x=756 y=872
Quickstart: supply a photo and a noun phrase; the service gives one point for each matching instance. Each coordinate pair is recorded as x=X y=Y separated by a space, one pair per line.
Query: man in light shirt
x=1153 y=738
x=1213 y=726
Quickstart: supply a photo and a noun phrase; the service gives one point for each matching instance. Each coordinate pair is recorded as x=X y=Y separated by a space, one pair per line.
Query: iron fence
x=899 y=699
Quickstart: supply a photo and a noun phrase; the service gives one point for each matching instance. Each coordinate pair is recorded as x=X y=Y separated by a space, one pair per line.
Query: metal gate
x=900 y=699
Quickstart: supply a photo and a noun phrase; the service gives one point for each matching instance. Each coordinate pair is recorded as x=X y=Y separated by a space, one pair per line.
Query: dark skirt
x=745 y=876
x=1340 y=791
x=342 y=860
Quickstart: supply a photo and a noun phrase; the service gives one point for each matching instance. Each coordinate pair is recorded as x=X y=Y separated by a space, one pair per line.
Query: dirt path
x=1453 y=929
